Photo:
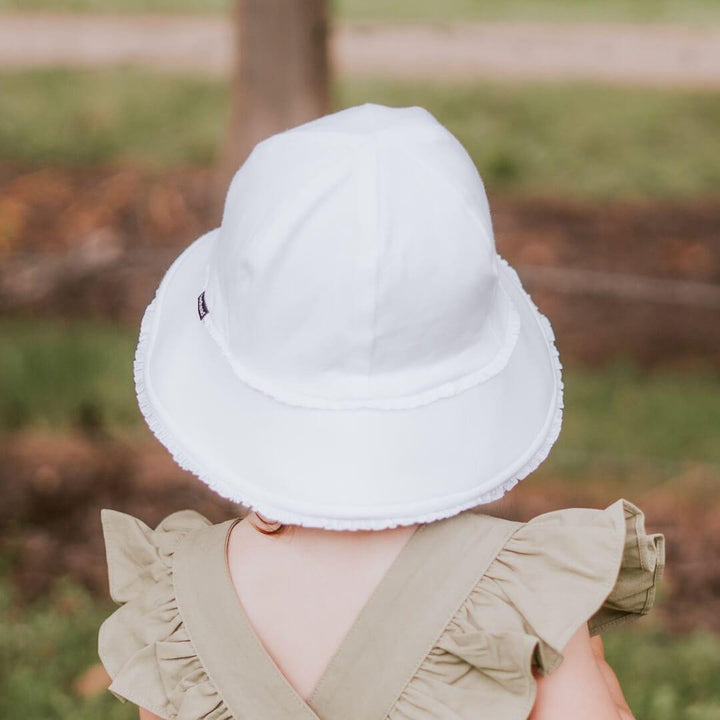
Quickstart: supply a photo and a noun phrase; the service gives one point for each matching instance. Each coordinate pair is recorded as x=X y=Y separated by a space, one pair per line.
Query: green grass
x=665 y=677
x=424 y=10
x=45 y=646
x=525 y=10
x=57 y=374
x=75 y=118
x=575 y=140
x=628 y=432
x=61 y=375
x=664 y=416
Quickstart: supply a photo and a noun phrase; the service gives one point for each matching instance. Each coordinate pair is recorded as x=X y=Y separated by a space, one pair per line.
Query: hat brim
x=341 y=469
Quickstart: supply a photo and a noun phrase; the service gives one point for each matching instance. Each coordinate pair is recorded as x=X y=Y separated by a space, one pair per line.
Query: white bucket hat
x=348 y=350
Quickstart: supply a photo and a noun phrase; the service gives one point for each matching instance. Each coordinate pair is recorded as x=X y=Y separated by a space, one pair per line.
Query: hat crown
x=358 y=356
x=355 y=264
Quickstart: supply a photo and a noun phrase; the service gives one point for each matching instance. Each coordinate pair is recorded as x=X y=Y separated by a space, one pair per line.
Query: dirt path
x=655 y=54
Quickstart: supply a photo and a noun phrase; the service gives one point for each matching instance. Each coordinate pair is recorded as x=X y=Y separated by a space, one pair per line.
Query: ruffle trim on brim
x=253 y=499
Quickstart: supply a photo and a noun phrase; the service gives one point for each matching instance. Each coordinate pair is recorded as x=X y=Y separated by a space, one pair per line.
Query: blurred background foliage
x=566 y=139
x=422 y=10
x=107 y=169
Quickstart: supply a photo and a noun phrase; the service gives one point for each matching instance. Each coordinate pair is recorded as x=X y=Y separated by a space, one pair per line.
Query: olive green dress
x=451 y=632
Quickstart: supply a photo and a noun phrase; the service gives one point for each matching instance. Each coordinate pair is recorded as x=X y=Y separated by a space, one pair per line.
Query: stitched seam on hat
x=379 y=252
x=454 y=187
x=403 y=402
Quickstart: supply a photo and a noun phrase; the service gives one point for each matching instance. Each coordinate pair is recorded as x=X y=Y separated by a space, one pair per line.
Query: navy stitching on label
x=202 y=306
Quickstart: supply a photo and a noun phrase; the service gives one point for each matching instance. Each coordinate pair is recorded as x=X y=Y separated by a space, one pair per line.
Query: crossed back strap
x=404 y=619
x=398 y=626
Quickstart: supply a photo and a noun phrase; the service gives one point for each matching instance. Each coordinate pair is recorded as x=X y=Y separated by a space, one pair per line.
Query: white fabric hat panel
x=348 y=269
x=367 y=359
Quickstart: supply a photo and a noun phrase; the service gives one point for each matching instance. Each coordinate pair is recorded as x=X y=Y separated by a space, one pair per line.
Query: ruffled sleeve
x=577 y=565
x=554 y=573
x=144 y=645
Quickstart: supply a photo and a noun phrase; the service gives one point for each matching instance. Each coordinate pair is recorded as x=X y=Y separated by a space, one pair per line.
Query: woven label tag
x=202 y=307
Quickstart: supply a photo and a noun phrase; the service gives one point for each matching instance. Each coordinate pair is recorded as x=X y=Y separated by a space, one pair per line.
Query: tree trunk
x=281 y=76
